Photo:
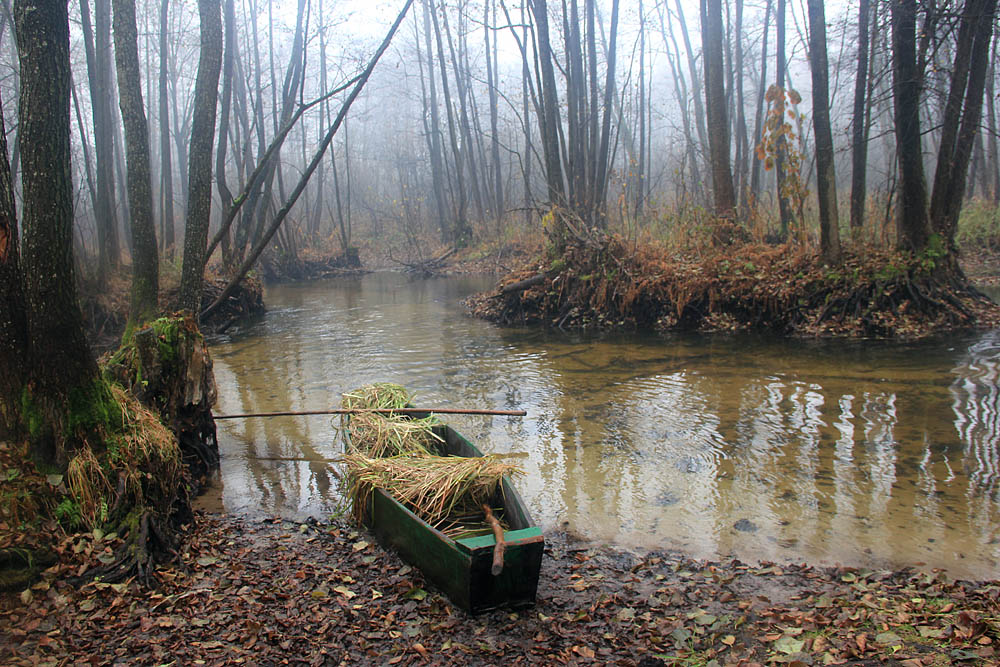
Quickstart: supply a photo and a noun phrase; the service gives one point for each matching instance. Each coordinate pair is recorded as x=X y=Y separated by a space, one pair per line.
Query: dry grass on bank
x=785 y=289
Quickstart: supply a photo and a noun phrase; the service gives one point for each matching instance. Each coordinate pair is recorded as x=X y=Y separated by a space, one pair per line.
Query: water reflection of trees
x=848 y=467
x=831 y=453
x=976 y=403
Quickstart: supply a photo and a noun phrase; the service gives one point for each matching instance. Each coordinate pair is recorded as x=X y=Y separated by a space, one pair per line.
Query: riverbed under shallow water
x=870 y=453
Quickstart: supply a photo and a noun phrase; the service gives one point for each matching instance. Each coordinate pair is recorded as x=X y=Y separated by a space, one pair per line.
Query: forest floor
x=105 y=306
x=982 y=265
x=273 y=592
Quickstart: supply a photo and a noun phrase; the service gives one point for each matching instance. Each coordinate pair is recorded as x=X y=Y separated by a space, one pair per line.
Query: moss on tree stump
x=167 y=366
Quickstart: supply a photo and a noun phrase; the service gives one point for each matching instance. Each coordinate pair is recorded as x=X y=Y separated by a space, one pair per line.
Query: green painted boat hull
x=461 y=568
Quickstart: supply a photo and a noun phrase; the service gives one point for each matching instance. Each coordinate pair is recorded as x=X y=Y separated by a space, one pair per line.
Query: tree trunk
x=459 y=232
x=759 y=109
x=464 y=235
x=991 y=125
x=317 y=215
x=529 y=150
x=166 y=168
x=962 y=115
x=549 y=117
x=206 y=95
x=145 y=259
x=14 y=342
x=601 y=177
x=64 y=394
x=859 y=126
x=225 y=194
x=491 y=74
x=781 y=144
x=715 y=103
x=82 y=127
x=742 y=143
x=695 y=78
x=434 y=132
x=97 y=45
x=681 y=90
x=913 y=228
x=826 y=175
x=640 y=167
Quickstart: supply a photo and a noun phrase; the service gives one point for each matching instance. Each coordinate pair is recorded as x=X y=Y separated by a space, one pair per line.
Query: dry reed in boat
x=377 y=396
x=377 y=436
x=431 y=486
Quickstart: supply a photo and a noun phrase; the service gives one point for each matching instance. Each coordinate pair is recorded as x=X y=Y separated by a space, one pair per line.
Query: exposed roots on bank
x=783 y=289
x=132 y=486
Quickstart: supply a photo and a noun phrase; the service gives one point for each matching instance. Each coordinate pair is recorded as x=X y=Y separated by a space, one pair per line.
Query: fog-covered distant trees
x=487 y=115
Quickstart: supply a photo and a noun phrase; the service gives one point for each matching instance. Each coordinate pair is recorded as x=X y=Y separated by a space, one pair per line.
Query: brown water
x=865 y=453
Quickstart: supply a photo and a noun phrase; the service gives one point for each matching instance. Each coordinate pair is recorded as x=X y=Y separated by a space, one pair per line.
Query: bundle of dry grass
x=433 y=487
x=377 y=396
x=378 y=436
x=140 y=468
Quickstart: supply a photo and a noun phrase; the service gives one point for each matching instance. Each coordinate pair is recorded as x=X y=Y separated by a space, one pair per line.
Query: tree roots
x=782 y=289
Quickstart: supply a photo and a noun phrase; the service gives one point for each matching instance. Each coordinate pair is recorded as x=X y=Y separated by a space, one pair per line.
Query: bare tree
x=63 y=371
x=715 y=104
x=145 y=260
x=229 y=57
x=755 y=186
x=781 y=148
x=859 y=124
x=962 y=114
x=166 y=168
x=206 y=95
x=826 y=175
x=97 y=44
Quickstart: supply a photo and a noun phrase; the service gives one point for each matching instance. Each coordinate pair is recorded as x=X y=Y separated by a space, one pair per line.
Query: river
x=867 y=453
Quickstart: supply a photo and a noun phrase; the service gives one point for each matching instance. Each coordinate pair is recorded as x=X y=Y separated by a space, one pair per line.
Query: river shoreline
x=273 y=592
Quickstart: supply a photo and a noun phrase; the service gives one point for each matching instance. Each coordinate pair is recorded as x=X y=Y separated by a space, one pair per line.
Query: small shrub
x=979 y=226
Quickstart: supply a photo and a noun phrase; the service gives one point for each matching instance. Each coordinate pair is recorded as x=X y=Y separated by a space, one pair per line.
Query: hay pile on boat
x=400 y=455
x=378 y=436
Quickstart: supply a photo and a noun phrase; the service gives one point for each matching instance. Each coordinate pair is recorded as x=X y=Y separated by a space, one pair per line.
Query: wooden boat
x=461 y=567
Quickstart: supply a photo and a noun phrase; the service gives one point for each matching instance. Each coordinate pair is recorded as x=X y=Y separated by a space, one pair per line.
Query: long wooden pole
x=403 y=411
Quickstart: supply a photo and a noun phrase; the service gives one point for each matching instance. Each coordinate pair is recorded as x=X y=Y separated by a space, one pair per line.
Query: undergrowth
x=785 y=289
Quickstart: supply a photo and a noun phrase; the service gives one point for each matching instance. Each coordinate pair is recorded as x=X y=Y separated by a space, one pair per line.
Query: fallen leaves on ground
x=274 y=592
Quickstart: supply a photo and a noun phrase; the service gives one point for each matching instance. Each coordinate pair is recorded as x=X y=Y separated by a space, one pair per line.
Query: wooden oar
x=404 y=411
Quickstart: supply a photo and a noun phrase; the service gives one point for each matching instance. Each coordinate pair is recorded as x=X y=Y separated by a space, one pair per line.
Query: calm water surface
x=865 y=453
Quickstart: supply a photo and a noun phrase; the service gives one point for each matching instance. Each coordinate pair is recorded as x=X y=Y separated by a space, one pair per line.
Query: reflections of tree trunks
x=843 y=453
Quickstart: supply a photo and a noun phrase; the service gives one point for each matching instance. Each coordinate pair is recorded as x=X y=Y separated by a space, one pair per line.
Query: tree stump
x=168 y=368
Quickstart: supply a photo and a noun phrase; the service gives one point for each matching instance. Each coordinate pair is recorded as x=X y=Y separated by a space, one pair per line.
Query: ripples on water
x=870 y=453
